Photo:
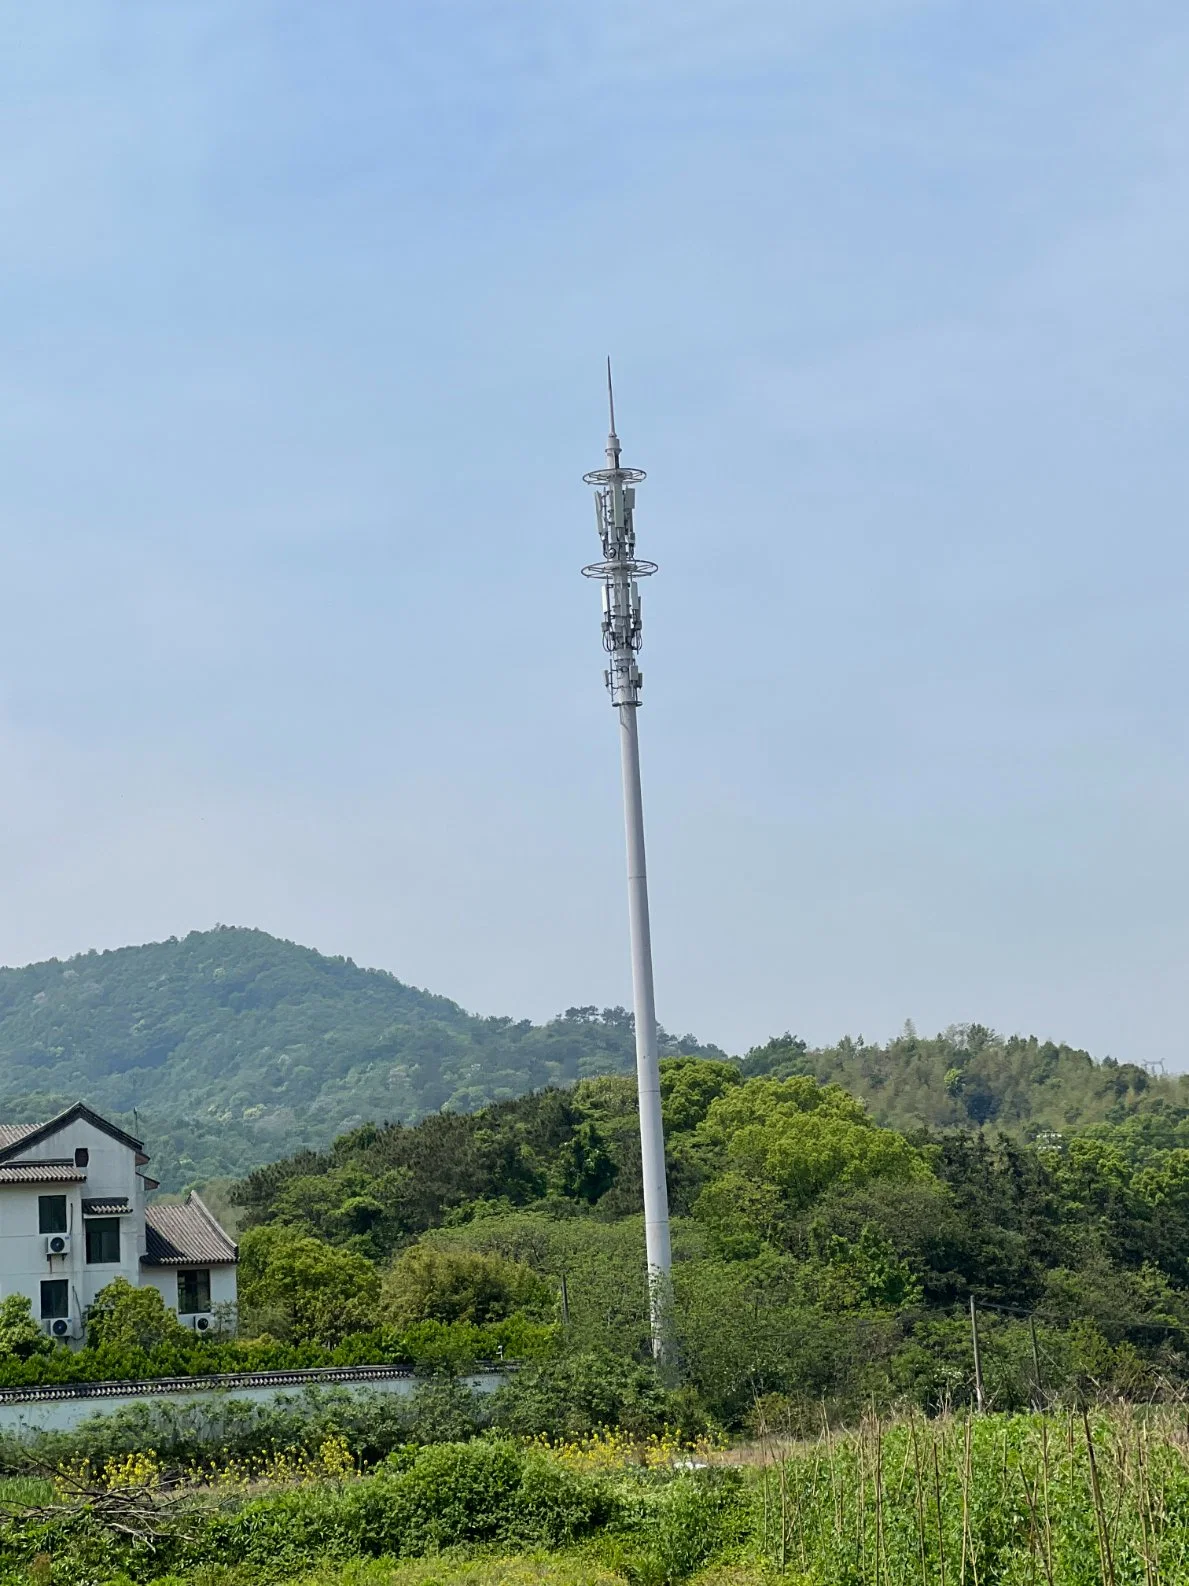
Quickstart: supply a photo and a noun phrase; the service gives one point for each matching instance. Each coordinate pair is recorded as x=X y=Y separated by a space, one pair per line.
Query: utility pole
x=978 y=1359
x=1039 y=1402
x=618 y=572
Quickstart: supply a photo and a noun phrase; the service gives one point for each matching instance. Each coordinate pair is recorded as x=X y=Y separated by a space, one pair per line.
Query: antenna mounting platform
x=625 y=568
x=610 y=476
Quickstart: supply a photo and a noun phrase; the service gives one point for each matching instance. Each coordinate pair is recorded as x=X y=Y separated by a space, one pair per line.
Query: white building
x=73 y=1216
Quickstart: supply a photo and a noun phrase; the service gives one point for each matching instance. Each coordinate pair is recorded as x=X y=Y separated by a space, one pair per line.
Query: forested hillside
x=236 y=1048
x=970 y=1077
x=818 y=1256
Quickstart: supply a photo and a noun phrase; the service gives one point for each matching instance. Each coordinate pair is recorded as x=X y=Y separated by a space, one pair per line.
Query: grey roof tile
x=41 y=1173
x=10 y=1133
x=178 y=1236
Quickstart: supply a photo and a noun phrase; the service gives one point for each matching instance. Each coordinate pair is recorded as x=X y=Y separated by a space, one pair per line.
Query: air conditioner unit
x=57 y=1244
x=61 y=1327
x=202 y=1322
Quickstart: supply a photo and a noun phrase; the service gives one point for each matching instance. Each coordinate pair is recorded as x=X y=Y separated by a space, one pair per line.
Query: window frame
x=55 y=1286
x=100 y=1229
x=202 y=1278
x=44 y=1205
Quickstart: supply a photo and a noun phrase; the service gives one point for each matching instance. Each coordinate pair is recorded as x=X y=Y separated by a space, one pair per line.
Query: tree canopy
x=819 y=1253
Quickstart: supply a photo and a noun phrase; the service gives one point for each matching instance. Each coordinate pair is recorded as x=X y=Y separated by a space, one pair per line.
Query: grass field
x=18 y=1492
x=541 y=1569
x=535 y=1569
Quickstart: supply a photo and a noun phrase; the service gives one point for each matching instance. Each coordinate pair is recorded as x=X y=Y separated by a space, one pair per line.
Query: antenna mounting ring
x=609 y=476
x=631 y=567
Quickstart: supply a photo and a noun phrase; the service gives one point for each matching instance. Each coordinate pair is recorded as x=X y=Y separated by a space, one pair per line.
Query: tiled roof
x=10 y=1133
x=41 y=1173
x=178 y=1236
x=118 y=1207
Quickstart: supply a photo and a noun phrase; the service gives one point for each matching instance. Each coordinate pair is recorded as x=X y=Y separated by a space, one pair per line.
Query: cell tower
x=618 y=572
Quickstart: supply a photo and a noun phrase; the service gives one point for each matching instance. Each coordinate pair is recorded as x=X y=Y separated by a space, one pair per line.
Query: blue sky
x=302 y=315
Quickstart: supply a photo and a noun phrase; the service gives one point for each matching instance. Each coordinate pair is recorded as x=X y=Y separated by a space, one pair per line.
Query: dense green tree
x=299 y=1288
x=20 y=1336
x=435 y=1283
x=784 y=1143
x=123 y=1317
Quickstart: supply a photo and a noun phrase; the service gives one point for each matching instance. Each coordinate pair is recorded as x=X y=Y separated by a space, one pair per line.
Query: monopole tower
x=619 y=573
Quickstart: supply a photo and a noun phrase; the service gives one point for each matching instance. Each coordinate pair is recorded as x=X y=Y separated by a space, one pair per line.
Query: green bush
x=122 y=1317
x=457 y=1346
x=421 y=1502
x=217 y=1425
x=433 y=1283
x=577 y=1393
x=700 y=1514
x=20 y=1336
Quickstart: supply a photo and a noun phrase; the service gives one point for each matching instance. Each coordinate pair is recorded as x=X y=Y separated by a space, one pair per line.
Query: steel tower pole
x=648 y=1075
x=618 y=573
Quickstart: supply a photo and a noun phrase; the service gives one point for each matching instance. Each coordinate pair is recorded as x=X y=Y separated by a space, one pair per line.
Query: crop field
x=1061 y=1500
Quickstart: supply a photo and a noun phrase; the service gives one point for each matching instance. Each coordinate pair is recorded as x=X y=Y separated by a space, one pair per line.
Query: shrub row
x=570 y=1397
x=418 y=1502
x=455 y=1346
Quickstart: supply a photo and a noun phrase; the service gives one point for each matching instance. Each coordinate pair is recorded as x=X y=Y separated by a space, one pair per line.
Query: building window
x=194 y=1292
x=55 y=1298
x=81 y=1156
x=51 y=1215
x=103 y=1241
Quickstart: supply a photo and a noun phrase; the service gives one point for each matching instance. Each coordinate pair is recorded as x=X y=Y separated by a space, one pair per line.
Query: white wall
x=223 y=1284
x=23 y=1261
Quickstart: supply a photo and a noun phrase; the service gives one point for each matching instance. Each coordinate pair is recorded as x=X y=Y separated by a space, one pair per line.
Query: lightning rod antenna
x=619 y=572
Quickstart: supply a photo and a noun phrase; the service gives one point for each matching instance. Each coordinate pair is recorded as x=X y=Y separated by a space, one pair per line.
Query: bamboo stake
x=967 y=1532
x=1044 y=1449
x=798 y=1510
x=1145 y=1512
x=937 y=1499
x=1034 y=1534
x=784 y=1523
x=920 y=1502
x=834 y=1492
x=861 y=1498
x=1108 y=1563
x=879 y=1542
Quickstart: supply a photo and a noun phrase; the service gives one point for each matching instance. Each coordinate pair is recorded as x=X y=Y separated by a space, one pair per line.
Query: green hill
x=235 y=1048
x=228 y=1049
x=971 y=1078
